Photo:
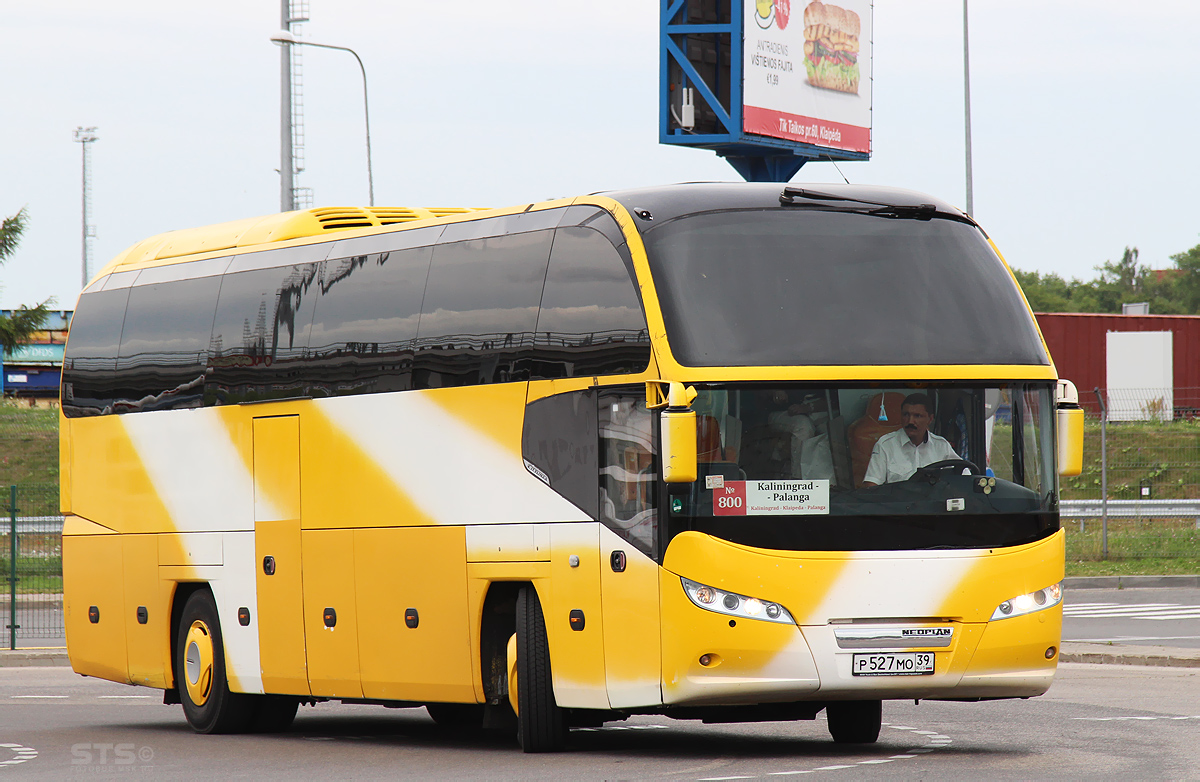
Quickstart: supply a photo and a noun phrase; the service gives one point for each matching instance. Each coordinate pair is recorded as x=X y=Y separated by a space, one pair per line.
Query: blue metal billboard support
x=683 y=41
x=766 y=168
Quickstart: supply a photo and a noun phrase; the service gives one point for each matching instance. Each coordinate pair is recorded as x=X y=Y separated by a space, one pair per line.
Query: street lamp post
x=283 y=37
x=86 y=137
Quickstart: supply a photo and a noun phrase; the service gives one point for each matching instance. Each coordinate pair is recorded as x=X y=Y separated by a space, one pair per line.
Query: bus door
x=277 y=549
x=629 y=577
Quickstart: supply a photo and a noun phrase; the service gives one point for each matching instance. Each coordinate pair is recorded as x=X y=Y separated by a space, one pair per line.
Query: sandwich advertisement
x=808 y=72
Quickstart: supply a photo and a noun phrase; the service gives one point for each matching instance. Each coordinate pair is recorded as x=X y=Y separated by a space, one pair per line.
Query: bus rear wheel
x=855 y=722
x=541 y=724
x=208 y=704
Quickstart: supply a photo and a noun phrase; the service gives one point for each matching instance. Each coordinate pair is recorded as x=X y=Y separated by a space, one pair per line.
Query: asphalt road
x=1101 y=722
x=1145 y=617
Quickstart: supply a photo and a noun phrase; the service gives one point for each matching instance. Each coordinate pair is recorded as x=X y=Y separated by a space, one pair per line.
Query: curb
x=34 y=658
x=1161 y=656
x=1131 y=582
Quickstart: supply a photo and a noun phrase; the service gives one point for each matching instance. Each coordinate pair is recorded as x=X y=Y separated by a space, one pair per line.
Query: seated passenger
x=897 y=455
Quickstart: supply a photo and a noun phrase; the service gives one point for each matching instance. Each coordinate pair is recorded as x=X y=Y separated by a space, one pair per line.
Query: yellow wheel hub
x=198 y=662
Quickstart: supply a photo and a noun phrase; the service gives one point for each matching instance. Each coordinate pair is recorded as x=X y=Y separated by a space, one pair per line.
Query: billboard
x=807 y=72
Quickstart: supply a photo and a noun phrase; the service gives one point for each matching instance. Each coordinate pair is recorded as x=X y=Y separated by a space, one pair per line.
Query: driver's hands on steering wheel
x=933 y=472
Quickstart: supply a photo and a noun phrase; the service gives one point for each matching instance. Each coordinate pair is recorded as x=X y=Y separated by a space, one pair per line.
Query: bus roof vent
x=389 y=215
x=451 y=210
x=334 y=217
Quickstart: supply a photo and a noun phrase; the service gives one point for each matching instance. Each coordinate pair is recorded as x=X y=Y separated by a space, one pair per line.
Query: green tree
x=1187 y=280
x=24 y=321
x=1049 y=293
x=1171 y=292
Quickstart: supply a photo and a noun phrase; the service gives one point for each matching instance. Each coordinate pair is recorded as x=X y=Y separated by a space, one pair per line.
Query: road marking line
x=122 y=697
x=39 y=696
x=1125 y=719
x=23 y=754
x=1157 y=611
x=620 y=727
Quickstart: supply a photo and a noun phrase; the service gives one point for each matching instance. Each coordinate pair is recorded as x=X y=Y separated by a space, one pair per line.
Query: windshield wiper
x=917 y=212
x=790 y=195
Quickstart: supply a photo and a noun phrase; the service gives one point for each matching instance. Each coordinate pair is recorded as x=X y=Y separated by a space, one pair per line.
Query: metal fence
x=1139 y=493
x=31 y=562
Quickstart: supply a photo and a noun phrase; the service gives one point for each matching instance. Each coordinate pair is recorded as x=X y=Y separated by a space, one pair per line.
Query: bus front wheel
x=208 y=704
x=541 y=724
x=854 y=722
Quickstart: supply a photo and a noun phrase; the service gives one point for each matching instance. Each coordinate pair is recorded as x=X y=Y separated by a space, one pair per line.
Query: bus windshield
x=855 y=467
x=792 y=286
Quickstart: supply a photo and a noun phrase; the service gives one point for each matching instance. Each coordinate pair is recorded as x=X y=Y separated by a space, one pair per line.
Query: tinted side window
x=164 y=345
x=90 y=362
x=591 y=320
x=480 y=310
x=260 y=334
x=367 y=310
x=628 y=468
x=559 y=445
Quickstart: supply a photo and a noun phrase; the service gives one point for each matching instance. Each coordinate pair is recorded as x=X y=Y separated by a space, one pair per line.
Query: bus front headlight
x=733 y=604
x=1028 y=603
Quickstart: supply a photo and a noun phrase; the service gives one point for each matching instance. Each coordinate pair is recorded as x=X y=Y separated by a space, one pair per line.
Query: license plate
x=901 y=664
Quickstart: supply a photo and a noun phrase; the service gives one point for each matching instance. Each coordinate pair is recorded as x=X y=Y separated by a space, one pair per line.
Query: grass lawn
x=28 y=444
x=35 y=574
x=1176 y=566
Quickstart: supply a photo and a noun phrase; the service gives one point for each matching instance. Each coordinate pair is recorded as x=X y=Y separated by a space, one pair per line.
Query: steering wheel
x=933 y=472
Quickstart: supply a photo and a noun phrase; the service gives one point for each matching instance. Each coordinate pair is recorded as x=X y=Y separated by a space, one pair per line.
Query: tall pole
x=83 y=194
x=86 y=136
x=1103 y=474
x=367 y=118
x=287 y=193
x=12 y=568
x=967 y=107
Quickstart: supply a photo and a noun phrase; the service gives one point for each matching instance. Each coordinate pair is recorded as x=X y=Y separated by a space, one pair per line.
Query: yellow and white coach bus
x=727 y=452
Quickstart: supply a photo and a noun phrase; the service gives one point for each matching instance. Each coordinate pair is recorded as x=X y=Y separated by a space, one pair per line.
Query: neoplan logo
x=927 y=632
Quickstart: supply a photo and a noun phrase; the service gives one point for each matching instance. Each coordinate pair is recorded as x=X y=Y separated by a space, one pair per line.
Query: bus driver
x=897 y=455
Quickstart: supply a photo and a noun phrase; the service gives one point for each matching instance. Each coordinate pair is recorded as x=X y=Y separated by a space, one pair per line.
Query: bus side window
x=164 y=345
x=559 y=439
x=90 y=364
x=259 y=335
x=591 y=320
x=367 y=309
x=628 y=469
x=480 y=309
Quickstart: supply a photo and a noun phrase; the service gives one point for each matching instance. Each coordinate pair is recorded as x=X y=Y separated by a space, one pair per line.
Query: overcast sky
x=1084 y=117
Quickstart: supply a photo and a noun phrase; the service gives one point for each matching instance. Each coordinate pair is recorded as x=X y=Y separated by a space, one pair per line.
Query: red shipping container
x=1077 y=345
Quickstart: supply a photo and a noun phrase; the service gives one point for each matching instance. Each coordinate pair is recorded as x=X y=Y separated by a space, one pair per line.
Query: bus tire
x=541 y=724
x=456 y=716
x=273 y=713
x=208 y=704
x=854 y=722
